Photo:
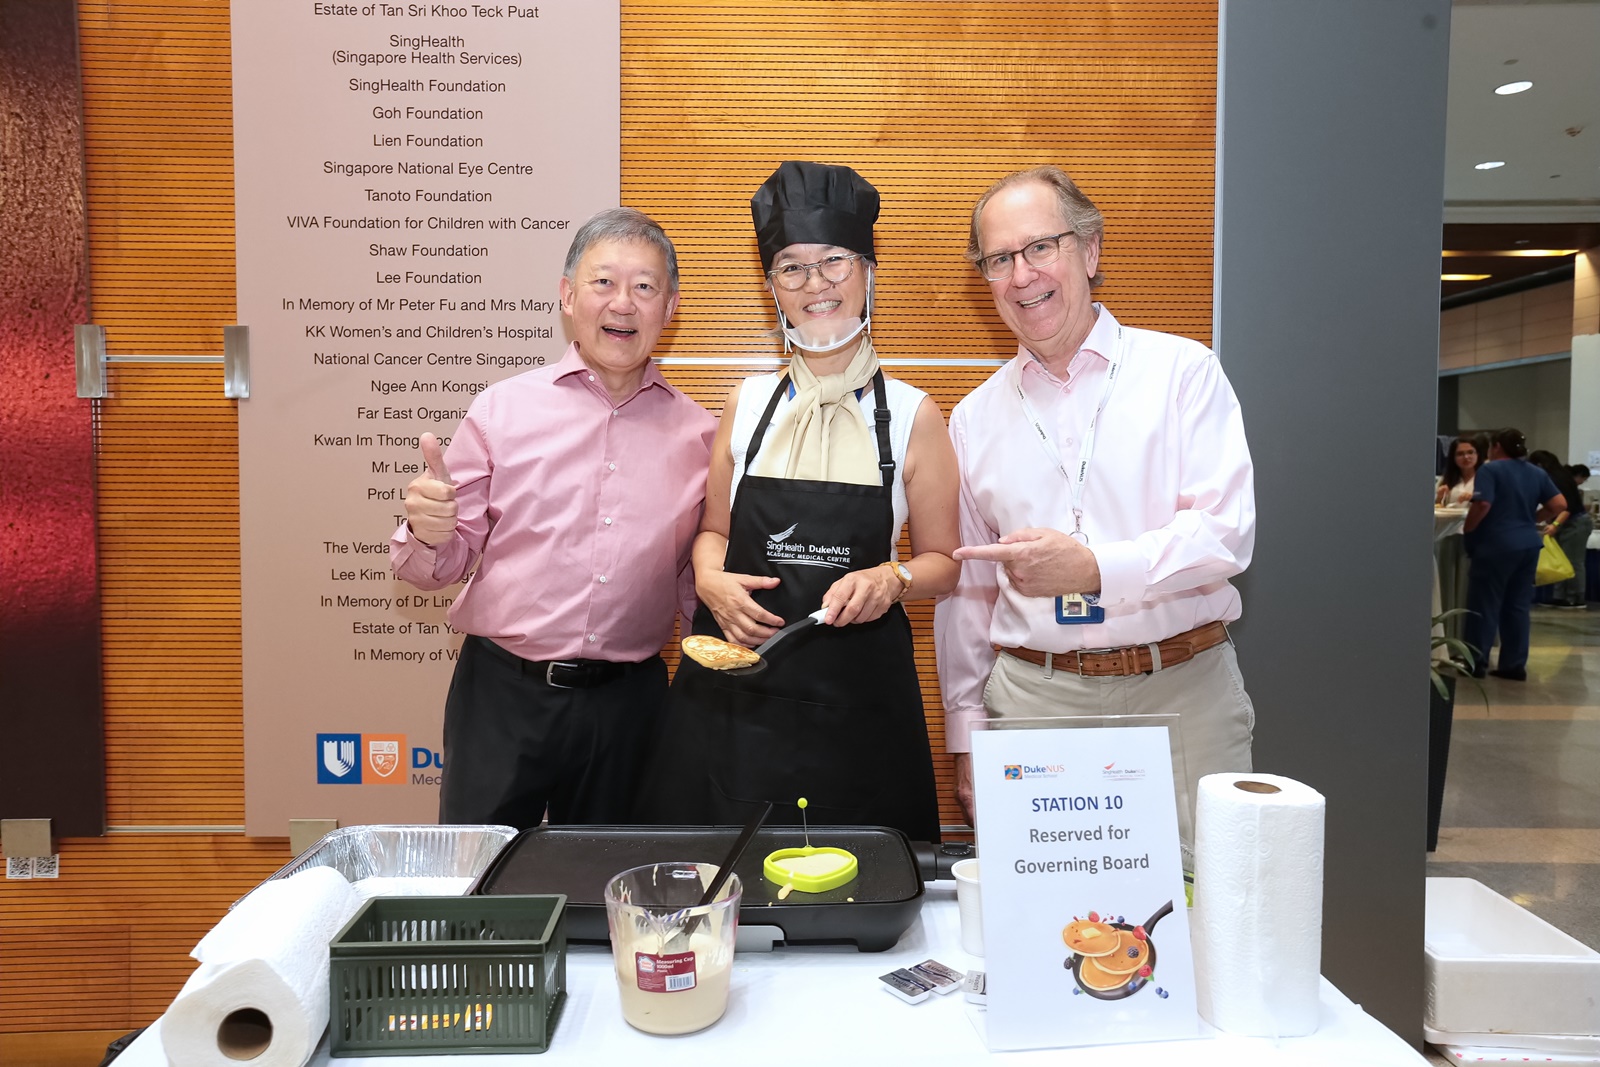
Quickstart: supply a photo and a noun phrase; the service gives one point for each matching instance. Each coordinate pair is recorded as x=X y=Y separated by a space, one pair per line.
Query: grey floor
x=1522 y=798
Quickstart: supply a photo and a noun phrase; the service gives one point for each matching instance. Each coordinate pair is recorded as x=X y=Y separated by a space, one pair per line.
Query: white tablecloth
x=829 y=999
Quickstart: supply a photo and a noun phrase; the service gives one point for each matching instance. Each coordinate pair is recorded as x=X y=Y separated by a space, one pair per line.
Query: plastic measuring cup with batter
x=673 y=957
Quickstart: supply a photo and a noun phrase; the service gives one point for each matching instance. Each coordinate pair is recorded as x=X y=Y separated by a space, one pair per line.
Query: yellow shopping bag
x=1553 y=564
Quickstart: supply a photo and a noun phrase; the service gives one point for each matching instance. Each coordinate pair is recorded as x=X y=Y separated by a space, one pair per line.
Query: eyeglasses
x=834 y=270
x=1040 y=251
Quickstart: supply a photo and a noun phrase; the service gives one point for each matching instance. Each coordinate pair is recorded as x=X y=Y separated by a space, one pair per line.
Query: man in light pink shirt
x=577 y=490
x=1107 y=497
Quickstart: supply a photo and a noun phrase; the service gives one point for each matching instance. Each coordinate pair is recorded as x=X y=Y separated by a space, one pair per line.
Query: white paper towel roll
x=1258 y=904
x=261 y=991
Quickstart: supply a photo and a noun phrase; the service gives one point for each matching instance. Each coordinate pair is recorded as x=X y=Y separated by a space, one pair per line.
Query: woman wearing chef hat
x=815 y=471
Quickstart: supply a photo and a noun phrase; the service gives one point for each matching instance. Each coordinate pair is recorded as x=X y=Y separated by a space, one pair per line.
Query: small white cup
x=969 y=902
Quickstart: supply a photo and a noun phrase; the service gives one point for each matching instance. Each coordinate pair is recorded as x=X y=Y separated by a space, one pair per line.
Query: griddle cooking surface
x=880 y=902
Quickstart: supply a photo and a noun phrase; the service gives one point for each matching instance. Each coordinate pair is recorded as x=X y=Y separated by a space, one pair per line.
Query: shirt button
x=1070 y=442
x=591 y=377
x=602 y=579
x=591 y=639
x=608 y=521
x=611 y=466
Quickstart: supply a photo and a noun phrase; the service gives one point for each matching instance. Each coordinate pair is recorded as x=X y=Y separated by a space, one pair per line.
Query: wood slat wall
x=931 y=102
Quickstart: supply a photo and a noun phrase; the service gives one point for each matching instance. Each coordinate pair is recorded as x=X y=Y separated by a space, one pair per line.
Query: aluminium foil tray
x=400 y=851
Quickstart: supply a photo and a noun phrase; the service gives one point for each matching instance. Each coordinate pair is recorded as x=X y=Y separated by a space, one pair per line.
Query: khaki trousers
x=1206 y=693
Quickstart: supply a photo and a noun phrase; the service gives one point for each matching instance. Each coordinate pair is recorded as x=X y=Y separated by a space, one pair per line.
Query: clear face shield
x=825 y=335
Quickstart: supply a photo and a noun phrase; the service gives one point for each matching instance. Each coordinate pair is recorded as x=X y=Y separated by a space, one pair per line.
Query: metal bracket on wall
x=89 y=346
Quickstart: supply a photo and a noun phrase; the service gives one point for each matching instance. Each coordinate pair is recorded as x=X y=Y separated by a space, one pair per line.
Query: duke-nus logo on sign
x=338 y=759
x=384 y=762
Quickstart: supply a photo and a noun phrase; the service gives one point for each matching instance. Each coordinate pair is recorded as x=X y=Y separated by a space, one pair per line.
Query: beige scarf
x=823 y=436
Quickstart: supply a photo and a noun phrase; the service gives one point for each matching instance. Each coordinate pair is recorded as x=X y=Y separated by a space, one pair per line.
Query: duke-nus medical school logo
x=1016 y=772
x=799 y=553
x=383 y=756
x=361 y=759
x=337 y=762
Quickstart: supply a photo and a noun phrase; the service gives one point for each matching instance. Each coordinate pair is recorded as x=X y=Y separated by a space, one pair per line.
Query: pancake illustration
x=1089 y=937
x=1113 y=958
x=1091 y=974
x=1131 y=954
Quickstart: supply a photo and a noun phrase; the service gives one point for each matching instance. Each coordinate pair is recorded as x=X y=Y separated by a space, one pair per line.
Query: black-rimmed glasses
x=997 y=266
x=834 y=269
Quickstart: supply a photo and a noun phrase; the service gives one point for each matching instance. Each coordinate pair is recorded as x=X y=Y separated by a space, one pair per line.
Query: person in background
x=1510 y=497
x=1456 y=488
x=1571 y=529
x=1580 y=473
x=1107 y=496
x=576 y=489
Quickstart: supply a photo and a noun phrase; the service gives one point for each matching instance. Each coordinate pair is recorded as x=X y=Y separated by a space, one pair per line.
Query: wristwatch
x=902 y=572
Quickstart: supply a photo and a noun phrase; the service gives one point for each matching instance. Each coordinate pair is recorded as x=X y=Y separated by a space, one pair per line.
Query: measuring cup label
x=664 y=974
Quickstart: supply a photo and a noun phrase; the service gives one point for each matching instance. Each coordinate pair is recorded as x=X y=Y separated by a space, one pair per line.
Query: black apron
x=837 y=715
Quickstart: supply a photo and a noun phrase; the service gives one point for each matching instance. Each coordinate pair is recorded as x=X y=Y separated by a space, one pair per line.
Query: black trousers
x=515 y=745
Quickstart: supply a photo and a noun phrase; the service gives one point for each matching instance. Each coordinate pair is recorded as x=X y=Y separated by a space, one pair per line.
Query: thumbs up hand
x=431 y=497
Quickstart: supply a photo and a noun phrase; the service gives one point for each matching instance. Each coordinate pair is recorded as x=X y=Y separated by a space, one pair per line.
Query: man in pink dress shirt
x=1107 y=497
x=577 y=490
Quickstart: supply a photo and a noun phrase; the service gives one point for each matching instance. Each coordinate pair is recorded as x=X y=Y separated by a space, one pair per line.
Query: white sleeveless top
x=903 y=403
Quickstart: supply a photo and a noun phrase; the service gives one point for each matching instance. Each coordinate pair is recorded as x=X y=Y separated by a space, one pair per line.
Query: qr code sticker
x=19 y=866
x=47 y=866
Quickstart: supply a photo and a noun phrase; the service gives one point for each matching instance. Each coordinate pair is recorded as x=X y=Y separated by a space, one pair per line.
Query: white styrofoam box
x=1473 y=1055
x=1493 y=967
x=1572 y=1045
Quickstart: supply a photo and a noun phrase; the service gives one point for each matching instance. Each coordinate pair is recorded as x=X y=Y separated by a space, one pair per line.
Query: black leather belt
x=575 y=673
x=565 y=673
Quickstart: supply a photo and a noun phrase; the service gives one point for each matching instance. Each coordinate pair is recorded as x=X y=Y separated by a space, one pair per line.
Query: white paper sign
x=1086 y=932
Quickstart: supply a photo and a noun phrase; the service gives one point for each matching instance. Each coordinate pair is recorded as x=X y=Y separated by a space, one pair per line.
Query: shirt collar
x=572 y=363
x=1101 y=340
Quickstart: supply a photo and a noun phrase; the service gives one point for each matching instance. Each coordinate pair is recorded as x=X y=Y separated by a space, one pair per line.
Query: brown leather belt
x=1135 y=659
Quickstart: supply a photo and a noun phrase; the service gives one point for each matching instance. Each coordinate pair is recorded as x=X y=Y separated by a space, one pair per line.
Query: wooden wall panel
x=1519 y=326
x=931 y=102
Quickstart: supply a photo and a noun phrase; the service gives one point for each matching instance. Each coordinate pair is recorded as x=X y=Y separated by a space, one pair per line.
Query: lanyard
x=1075 y=483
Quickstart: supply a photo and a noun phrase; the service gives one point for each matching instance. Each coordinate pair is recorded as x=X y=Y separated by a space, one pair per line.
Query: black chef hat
x=814 y=203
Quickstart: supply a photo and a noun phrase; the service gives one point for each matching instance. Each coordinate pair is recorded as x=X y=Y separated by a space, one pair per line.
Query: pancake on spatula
x=717 y=654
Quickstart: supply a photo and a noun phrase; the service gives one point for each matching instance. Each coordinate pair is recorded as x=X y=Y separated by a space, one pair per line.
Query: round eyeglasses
x=834 y=269
x=997 y=266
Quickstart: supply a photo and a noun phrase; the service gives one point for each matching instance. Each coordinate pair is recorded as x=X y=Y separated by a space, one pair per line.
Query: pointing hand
x=1041 y=562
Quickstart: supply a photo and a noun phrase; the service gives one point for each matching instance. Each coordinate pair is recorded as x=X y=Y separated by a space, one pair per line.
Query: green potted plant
x=1451 y=658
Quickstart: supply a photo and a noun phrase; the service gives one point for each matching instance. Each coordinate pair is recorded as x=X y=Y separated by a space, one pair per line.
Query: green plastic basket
x=413 y=976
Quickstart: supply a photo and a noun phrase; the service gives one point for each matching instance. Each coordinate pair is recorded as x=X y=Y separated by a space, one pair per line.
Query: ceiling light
x=1462 y=277
x=1490 y=165
x=1512 y=88
x=1475 y=253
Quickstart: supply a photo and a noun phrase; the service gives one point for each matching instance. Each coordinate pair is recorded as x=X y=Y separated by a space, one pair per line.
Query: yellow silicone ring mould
x=809 y=882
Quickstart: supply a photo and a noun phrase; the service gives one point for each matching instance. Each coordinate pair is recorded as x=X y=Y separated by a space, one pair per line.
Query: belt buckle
x=550 y=673
x=1082 y=652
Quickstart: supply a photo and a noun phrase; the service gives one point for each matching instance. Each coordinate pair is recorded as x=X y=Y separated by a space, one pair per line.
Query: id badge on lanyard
x=1076 y=609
